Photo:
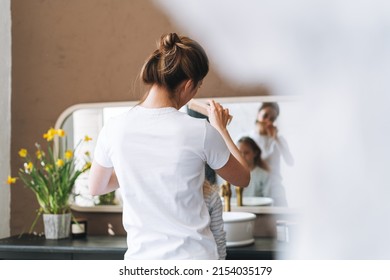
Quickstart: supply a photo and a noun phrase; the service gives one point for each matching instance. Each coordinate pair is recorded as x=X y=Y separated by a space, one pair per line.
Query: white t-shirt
x=159 y=157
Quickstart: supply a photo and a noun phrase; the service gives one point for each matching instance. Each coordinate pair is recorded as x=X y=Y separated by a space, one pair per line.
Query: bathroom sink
x=253 y=201
x=239 y=228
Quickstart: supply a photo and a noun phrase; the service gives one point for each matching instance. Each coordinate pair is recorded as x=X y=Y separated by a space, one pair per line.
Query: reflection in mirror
x=87 y=119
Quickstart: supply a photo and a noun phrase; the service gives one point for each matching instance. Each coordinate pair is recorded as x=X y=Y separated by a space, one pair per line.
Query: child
x=260 y=180
x=214 y=205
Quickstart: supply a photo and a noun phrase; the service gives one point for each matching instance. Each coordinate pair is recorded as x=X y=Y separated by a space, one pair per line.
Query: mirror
x=87 y=119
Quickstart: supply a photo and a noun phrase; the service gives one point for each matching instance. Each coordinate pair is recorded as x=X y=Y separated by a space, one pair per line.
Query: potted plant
x=51 y=174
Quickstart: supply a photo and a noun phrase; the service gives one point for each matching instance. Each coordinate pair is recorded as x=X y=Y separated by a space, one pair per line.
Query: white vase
x=57 y=226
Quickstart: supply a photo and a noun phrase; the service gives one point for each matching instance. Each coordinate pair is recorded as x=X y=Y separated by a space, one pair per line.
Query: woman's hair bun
x=176 y=59
x=169 y=41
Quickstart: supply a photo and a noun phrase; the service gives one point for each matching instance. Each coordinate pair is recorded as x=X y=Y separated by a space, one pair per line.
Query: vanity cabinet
x=30 y=247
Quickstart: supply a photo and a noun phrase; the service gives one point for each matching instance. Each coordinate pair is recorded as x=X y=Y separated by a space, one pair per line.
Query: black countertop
x=109 y=247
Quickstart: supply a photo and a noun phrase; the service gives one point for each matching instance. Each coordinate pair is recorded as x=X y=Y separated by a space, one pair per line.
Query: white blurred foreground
x=336 y=54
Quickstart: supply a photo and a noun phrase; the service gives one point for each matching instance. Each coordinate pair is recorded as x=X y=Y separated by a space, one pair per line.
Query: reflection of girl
x=159 y=155
x=273 y=146
x=259 y=185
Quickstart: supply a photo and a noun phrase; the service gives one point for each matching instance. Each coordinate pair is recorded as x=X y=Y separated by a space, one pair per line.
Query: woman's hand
x=218 y=116
x=272 y=130
x=267 y=128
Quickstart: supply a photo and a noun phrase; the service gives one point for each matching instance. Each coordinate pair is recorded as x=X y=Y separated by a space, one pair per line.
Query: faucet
x=226 y=193
x=239 y=191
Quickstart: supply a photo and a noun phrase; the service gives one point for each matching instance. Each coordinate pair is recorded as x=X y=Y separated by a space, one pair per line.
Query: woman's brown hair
x=176 y=59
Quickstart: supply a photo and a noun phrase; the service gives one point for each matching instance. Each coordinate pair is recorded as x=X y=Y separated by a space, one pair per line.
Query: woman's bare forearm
x=102 y=180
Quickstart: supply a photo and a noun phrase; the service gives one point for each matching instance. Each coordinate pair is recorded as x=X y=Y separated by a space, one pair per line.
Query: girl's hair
x=176 y=59
x=256 y=149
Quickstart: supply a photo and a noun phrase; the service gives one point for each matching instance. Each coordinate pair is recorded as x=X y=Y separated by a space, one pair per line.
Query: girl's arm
x=235 y=171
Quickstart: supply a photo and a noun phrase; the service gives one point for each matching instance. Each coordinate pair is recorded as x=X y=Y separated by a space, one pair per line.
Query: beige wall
x=5 y=114
x=69 y=52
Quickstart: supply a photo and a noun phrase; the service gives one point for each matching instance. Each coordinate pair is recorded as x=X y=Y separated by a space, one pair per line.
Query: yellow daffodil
x=23 y=153
x=11 y=180
x=86 y=166
x=87 y=138
x=48 y=167
x=28 y=166
x=61 y=132
x=68 y=154
x=49 y=135
x=39 y=154
x=59 y=162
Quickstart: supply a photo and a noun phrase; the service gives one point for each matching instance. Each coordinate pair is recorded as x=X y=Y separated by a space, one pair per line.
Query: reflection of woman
x=259 y=184
x=159 y=156
x=273 y=146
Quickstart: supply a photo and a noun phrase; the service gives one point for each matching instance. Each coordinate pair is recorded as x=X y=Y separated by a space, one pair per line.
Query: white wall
x=5 y=115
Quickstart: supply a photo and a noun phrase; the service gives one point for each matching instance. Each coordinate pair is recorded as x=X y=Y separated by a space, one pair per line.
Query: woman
x=159 y=156
x=273 y=147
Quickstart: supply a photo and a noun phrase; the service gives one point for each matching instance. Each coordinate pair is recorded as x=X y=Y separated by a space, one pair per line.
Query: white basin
x=239 y=228
x=253 y=201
